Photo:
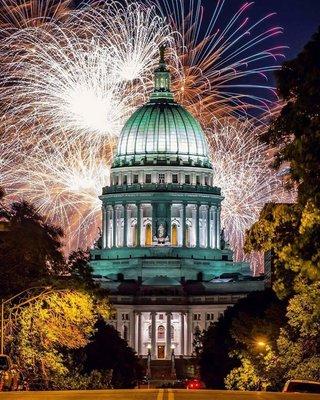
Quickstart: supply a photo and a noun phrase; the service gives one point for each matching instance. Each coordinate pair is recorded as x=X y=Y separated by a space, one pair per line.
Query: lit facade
x=162 y=254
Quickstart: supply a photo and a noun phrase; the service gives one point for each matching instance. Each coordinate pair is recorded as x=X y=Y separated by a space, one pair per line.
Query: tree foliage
x=52 y=325
x=108 y=351
x=296 y=131
x=31 y=250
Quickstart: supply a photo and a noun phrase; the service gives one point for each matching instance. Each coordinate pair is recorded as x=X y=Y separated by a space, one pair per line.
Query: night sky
x=299 y=18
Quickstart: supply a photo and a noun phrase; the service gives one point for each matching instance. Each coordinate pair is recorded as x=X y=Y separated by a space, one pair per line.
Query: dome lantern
x=162 y=80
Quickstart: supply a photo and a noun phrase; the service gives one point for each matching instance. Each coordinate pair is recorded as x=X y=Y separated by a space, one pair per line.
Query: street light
x=3 y=302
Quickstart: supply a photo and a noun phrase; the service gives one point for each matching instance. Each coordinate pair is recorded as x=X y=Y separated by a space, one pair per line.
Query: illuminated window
x=148 y=241
x=148 y=178
x=174 y=235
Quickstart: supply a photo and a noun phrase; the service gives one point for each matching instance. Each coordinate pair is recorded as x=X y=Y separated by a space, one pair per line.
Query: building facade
x=162 y=255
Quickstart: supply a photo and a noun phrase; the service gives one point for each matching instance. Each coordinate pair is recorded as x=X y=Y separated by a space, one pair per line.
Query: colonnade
x=189 y=225
x=181 y=345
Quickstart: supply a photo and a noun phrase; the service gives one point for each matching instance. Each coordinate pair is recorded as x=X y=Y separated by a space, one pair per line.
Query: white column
x=132 y=329
x=182 y=346
x=138 y=322
x=153 y=334
x=218 y=226
x=168 y=338
x=214 y=227
x=104 y=227
x=189 y=333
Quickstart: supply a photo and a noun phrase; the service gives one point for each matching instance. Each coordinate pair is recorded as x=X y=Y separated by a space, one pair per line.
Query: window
x=209 y=316
x=198 y=180
x=161 y=332
x=124 y=179
x=148 y=178
x=161 y=178
x=187 y=179
x=172 y=332
x=206 y=181
x=197 y=317
x=116 y=180
x=125 y=332
x=174 y=178
x=125 y=317
x=135 y=178
x=160 y=316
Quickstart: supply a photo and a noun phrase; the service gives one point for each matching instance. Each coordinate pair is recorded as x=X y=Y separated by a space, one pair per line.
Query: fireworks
x=225 y=62
x=242 y=170
x=70 y=79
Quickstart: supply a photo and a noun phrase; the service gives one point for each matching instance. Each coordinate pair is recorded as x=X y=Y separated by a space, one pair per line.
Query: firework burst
x=225 y=62
x=242 y=169
x=71 y=80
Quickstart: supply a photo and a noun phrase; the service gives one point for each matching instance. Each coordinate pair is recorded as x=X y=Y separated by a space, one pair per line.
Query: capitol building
x=162 y=255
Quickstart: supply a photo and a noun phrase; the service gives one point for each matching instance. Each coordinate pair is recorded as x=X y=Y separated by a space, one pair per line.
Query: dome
x=162 y=131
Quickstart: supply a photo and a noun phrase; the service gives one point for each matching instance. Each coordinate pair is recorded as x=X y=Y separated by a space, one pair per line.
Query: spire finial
x=162 y=50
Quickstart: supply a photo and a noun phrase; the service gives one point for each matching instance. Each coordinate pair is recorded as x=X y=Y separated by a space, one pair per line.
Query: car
x=194 y=384
x=301 y=386
x=9 y=374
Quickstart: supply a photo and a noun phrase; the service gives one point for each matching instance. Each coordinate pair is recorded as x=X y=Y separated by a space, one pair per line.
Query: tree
x=32 y=250
x=48 y=328
x=296 y=131
x=108 y=351
x=258 y=315
x=79 y=267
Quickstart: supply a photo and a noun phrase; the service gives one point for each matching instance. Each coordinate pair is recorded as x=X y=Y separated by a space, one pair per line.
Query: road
x=155 y=394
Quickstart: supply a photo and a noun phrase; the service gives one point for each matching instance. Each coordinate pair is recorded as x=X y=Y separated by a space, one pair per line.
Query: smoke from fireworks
x=68 y=85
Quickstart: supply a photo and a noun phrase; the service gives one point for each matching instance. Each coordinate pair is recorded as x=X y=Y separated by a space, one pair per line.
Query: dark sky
x=299 y=18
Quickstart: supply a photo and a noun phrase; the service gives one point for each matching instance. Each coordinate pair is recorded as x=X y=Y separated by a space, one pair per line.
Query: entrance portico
x=161 y=333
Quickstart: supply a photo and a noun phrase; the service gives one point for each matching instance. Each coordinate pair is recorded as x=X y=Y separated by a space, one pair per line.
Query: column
x=182 y=346
x=132 y=329
x=139 y=206
x=138 y=324
x=183 y=224
x=197 y=225
x=218 y=226
x=189 y=333
x=214 y=227
x=169 y=205
x=153 y=334
x=168 y=338
x=104 y=227
x=114 y=211
x=125 y=225
x=208 y=226
x=108 y=227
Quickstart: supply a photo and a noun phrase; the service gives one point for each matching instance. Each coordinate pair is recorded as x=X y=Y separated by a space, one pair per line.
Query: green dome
x=162 y=131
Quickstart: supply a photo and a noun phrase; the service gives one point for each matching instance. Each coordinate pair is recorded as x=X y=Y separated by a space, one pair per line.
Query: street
x=154 y=394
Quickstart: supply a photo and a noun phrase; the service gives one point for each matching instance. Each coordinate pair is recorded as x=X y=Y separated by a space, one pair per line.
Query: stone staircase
x=161 y=370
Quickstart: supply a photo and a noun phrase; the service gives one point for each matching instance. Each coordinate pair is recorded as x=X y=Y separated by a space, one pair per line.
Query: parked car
x=9 y=374
x=194 y=384
x=300 y=386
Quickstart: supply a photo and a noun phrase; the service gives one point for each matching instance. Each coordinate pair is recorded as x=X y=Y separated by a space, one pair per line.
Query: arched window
x=148 y=237
x=174 y=235
x=161 y=332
